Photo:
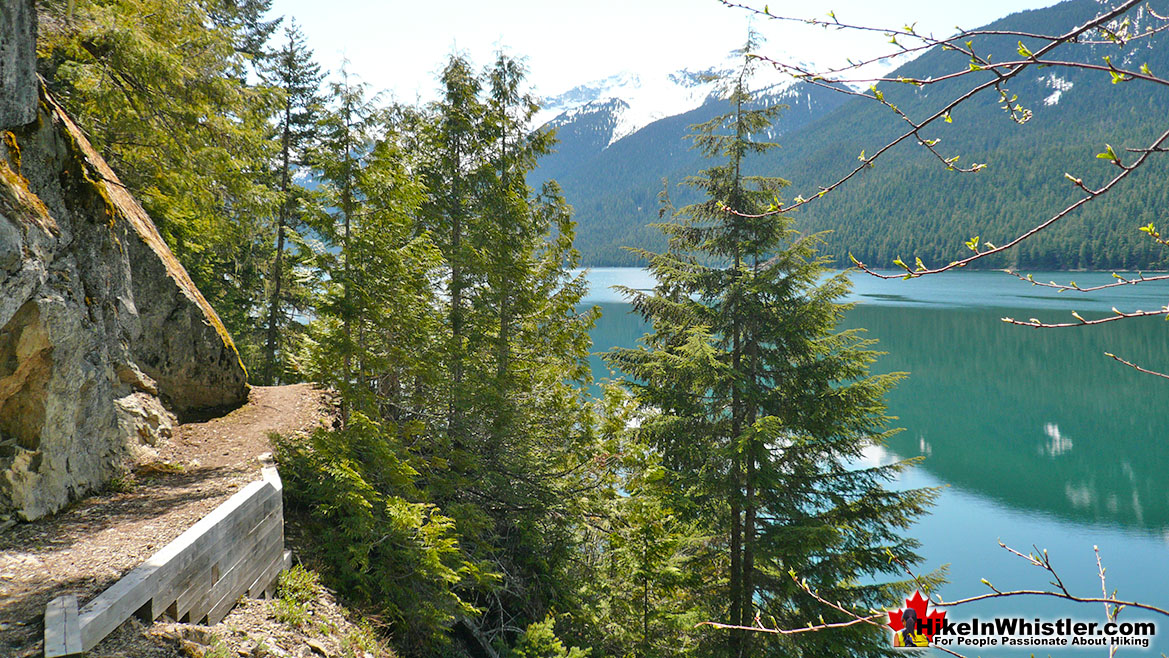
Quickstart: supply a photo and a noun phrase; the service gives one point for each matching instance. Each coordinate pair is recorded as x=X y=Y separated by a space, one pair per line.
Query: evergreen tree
x=761 y=410
x=246 y=19
x=515 y=432
x=362 y=487
x=455 y=142
x=346 y=137
x=292 y=70
x=642 y=595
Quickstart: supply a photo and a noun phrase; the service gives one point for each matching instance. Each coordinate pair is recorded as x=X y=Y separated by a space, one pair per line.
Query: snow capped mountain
x=623 y=104
x=632 y=101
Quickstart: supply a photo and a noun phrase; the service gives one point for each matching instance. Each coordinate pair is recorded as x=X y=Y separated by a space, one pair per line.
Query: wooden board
x=199 y=563
x=234 y=583
x=266 y=582
x=265 y=541
x=203 y=571
x=62 y=628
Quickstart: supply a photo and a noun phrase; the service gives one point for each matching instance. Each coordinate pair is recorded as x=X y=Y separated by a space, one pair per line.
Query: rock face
x=18 y=36
x=100 y=326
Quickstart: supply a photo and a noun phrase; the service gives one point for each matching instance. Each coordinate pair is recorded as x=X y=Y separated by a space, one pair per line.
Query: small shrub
x=218 y=649
x=290 y=613
x=159 y=468
x=362 y=512
x=362 y=640
x=123 y=483
x=540 y=641
x=299 y=585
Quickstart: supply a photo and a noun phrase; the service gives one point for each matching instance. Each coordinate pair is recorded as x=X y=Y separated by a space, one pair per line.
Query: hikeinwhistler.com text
x=1020 y=632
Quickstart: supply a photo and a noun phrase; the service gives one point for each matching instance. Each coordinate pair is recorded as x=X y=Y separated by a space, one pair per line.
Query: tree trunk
x=278 y=262
x=346 y=211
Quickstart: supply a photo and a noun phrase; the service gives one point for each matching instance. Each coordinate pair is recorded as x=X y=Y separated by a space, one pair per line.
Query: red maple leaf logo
x=930 y=622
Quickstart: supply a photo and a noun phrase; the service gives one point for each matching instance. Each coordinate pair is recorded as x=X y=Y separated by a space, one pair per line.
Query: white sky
x=400 y=45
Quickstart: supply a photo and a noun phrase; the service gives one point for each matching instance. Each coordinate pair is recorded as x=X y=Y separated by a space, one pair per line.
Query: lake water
x=1038 y=438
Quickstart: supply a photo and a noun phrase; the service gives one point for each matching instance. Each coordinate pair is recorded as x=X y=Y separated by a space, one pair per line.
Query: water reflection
x=618 y=327
x=1040 y=420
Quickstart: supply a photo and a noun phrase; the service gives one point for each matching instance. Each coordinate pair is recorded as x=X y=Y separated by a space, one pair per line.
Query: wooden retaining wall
x=237 y=549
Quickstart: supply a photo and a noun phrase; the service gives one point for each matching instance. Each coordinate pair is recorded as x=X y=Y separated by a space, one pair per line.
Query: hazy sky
x=399 y=45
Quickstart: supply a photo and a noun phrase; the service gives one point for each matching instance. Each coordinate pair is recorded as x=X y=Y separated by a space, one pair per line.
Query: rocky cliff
x=102 y=333
x=18 y=30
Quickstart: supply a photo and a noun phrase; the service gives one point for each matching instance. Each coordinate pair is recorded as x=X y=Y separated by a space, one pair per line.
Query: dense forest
x=472 y=496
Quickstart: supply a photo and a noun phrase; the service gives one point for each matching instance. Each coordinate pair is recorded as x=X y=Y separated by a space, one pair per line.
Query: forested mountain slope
x=909 y=204
x=614 y=187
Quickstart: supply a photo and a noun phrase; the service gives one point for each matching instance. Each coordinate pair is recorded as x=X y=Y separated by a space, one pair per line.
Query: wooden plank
x=73 y=643
x=265 y=583
x=124 y=598
x=223 y=555
x=201 y=554
x=62 y=630
x=272 y=475
x=194 y=566
x=236 y=581
x=225 y=593
x=187 y=567
x=198 y=601
x=55 y=628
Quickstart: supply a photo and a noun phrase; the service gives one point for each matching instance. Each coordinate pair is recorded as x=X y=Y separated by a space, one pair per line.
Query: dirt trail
x=85 y=548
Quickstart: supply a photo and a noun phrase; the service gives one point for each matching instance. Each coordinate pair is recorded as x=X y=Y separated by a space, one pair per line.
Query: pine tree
x=292 y=70
x=346 y=137
x=761 y=410
x=515 y=428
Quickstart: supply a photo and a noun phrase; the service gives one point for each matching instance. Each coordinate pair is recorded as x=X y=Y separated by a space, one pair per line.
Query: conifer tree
x=515 y=232
x=515 y=430
x=455 y=142
x=761 y=410
x=645 y=592
x=292 y=70
x=346 y=136
x=246 y=19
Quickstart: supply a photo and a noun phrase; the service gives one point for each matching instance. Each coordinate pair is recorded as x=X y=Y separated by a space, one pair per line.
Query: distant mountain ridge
x=908 y=205
x=635 y=100
x=613 y=152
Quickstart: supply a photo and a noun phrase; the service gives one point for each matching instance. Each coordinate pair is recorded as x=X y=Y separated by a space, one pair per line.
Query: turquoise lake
x=1038 y=438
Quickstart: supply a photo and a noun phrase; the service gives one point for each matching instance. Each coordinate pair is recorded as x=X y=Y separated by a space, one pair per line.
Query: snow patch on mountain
x=1059 y=85
x=634 y=100
x=628 y=102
